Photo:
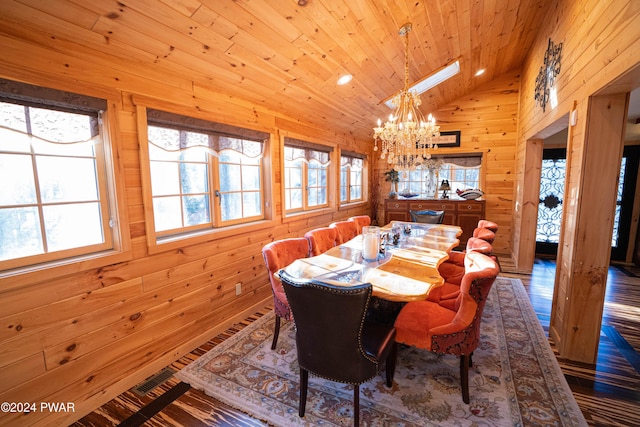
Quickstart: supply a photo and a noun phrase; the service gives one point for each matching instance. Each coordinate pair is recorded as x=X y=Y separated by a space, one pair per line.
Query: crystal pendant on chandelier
x=406 y=139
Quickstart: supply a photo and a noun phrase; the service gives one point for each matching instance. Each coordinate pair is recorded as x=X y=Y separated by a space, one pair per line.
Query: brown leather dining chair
x=451 y=326
x=321 y=239
x=277 y=255
x=333 y=340
x=427 y=216
x=361 y=221
x=347 y=230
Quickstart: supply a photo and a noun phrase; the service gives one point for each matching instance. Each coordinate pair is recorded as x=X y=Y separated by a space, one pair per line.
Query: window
x=462 y=172
x=351 y=171
x=306 y=175
x=54 y=201
x=203 y=175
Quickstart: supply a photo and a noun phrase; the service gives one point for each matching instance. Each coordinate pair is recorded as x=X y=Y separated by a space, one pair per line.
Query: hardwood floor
x=608 y=392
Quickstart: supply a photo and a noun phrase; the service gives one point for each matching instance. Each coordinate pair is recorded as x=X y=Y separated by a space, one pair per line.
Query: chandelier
x=406 y=139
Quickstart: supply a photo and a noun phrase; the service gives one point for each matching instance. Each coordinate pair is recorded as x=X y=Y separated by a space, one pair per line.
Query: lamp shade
x=444 y=185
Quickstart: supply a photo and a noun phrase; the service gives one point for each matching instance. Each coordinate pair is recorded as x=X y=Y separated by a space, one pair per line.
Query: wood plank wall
x=601 y=54
x=84 y=336
x=601 y=42
x=488 y=121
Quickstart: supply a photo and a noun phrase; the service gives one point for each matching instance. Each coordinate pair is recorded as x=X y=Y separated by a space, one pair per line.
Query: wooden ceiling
x=286 y=57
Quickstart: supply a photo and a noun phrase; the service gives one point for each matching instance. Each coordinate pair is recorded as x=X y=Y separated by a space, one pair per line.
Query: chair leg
x=464 y=377
x=356 y=405
x=470 y=361
x=304 y=382
x=276 y=332
x=391 y=364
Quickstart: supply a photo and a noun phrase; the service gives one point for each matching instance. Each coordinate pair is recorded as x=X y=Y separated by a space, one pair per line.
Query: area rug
x=515 y=379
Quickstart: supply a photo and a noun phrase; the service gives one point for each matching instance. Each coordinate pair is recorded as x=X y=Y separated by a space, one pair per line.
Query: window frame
x=306 y=209
x=450 y=159
x=117 y=243
x=159 y=244
x=349 y=175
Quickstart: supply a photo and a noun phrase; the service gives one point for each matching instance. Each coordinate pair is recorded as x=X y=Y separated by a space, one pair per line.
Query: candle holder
x=370 y=242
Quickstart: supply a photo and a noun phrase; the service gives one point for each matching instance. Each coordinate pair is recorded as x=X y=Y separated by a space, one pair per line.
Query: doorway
x=552 y=178
x=551 y=201
x=624 y=204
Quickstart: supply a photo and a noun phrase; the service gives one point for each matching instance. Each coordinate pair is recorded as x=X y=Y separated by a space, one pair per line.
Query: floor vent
x=153 y=382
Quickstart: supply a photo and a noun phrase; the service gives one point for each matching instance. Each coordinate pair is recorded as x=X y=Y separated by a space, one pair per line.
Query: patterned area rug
x=515 y=379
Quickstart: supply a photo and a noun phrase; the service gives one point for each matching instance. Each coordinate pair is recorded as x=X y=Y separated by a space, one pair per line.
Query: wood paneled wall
x=488 y=121
x=601 y=54
x=84 y=335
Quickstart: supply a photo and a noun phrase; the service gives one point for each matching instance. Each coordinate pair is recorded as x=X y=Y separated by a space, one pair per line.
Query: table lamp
x=445 y=187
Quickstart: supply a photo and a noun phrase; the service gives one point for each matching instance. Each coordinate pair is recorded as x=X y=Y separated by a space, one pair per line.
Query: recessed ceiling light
x=433 y=80
x=343 y=80
x=479 y=72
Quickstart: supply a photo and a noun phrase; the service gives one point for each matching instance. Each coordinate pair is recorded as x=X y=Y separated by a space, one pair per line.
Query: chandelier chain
x=406 y=139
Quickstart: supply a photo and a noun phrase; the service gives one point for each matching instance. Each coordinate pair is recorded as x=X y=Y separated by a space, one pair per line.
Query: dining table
x=406 y=268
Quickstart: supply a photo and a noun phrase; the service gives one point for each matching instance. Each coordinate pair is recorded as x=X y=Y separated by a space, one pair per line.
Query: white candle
x=370 y=246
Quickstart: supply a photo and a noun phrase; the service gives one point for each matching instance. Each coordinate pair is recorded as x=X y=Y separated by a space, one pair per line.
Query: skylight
x=431 y=81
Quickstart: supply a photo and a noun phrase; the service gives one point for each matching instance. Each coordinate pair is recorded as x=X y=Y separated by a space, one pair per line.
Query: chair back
x=480 y=273
x=321 y=239
x=427 y=216
x=277 y=255
x=489 y=225
x=346 y=231
x=361 y=221
x=484 y=234
x=478 y=245
x=329 y=323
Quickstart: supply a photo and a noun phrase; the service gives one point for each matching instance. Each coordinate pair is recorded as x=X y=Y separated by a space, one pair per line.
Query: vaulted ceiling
x=286 y=57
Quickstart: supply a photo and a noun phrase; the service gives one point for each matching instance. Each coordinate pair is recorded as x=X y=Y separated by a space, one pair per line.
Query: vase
x=431 y=184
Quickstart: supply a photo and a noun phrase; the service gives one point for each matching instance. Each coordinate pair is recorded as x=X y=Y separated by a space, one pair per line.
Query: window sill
x=296 y=216
x=188 y=239
x=352 y=205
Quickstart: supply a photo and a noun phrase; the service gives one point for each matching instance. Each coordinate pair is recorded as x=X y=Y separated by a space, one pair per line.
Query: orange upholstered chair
x=277 y=255
x=484 y=234
x=489 y=225
x=452 y=326
x=321 y=239
x=452 y=269
x=347 y=230
x=361 y=221
x=487 y=230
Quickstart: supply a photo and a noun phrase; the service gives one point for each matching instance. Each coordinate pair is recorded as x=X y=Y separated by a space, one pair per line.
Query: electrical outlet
x=238 y=288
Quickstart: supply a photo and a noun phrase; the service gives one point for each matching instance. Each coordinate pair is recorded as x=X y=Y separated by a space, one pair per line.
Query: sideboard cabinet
x=463 y=213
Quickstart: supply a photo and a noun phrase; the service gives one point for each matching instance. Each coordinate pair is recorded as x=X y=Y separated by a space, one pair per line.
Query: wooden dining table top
x=405 y=272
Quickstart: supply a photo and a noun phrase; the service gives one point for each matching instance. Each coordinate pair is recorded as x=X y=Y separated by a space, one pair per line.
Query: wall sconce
x=445 y=187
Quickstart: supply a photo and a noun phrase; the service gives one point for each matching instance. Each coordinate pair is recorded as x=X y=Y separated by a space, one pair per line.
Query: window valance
x=465 y=160
x=173 y=132
x=38 y=96
x=352 y=162
x=307 y=151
